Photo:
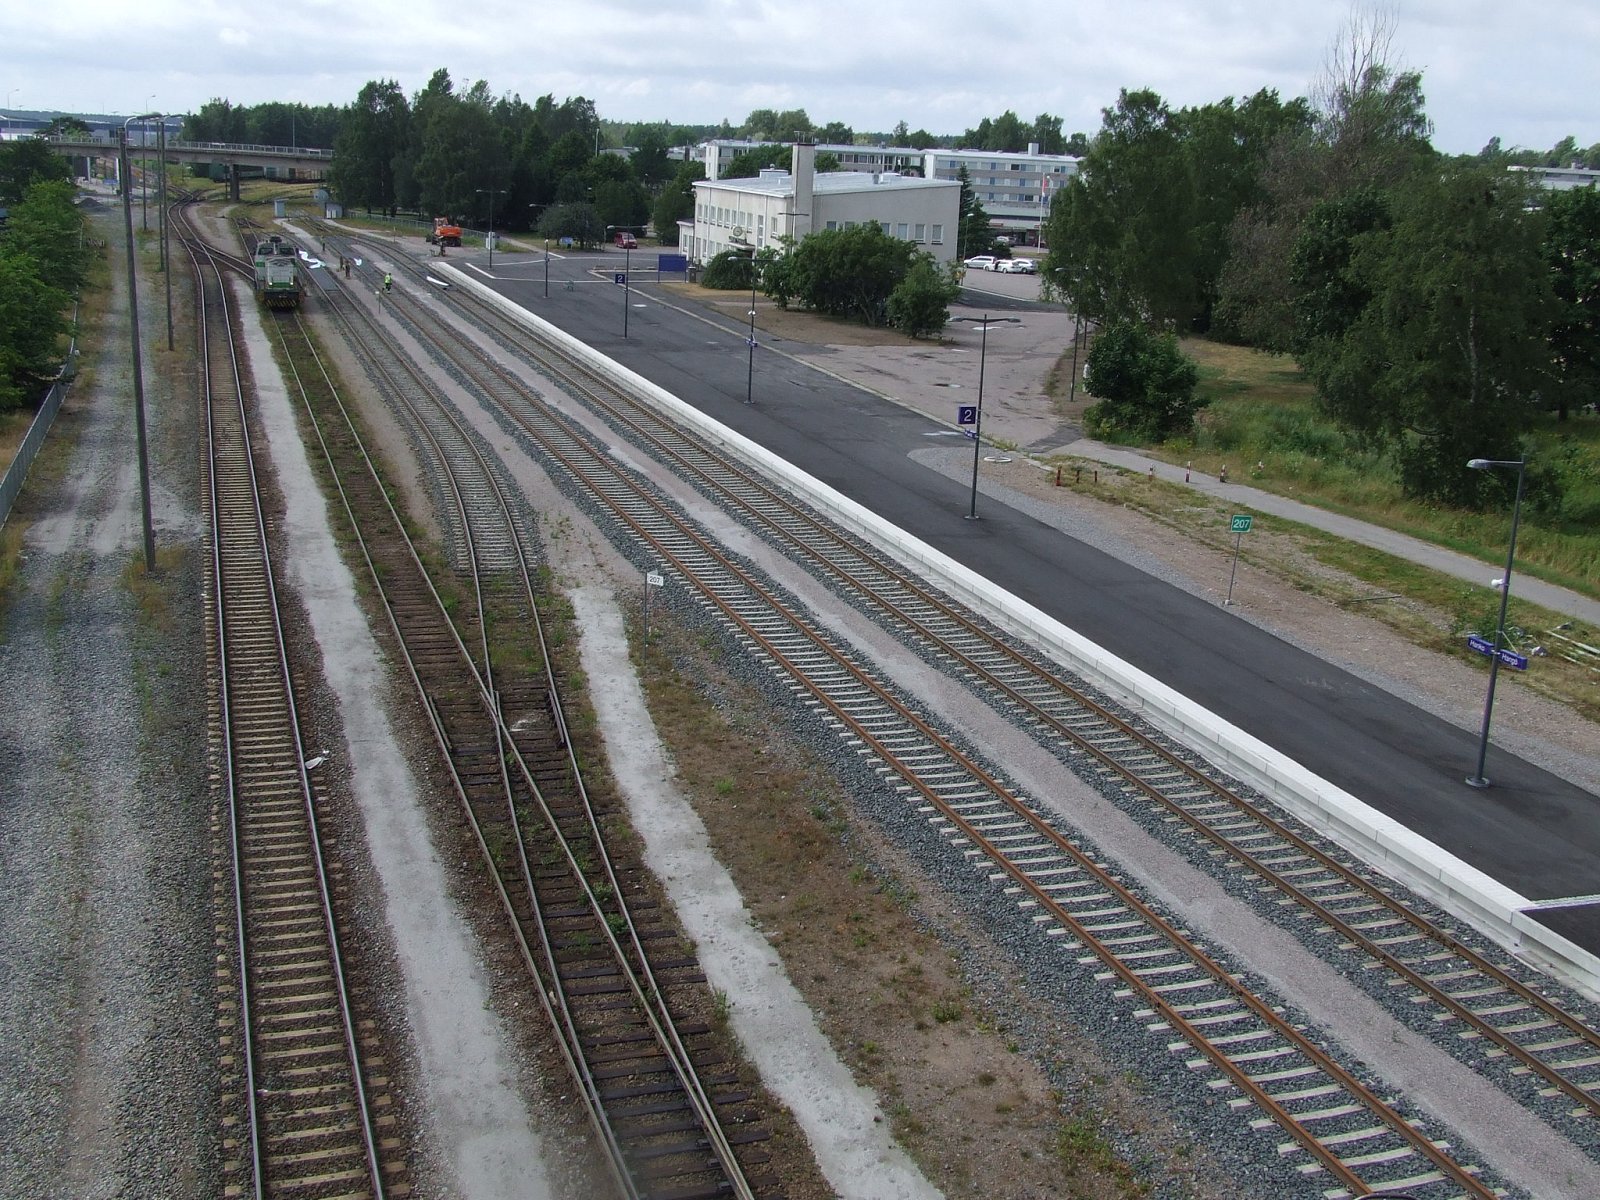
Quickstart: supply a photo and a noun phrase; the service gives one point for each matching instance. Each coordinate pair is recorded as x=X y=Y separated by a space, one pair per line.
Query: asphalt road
x=1534 y=832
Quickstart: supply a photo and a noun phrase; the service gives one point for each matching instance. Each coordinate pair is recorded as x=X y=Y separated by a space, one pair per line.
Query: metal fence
x=11 y=484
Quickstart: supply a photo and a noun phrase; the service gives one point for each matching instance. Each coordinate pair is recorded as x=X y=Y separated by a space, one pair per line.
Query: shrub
x=1145 y=384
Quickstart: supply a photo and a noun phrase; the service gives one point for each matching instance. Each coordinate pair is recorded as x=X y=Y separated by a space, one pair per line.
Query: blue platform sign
x=967 y=414
x=1485 y=646
x=619 y=279
x=673 y=262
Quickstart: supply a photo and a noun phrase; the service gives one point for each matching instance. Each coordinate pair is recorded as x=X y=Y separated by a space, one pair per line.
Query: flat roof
x=775 y=183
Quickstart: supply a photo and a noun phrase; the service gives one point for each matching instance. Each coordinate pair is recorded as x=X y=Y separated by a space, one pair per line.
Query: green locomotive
x=278 y=281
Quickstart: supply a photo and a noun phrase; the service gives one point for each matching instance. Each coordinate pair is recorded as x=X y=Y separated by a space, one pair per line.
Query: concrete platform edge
x=1389 y=847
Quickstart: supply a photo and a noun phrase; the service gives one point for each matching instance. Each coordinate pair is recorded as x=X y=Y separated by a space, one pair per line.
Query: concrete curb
x=1385 y=844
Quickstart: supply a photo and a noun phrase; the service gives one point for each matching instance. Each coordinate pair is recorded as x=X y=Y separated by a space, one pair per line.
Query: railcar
x=278 y=281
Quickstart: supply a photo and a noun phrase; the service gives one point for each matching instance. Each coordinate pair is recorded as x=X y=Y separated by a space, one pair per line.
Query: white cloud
x=1522 y=72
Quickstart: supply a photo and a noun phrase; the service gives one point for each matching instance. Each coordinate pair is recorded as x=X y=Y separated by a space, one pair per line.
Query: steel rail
x=256 y=563
x=607 y=484
x=761 y=501
x=664 y=1026
x=649 y=994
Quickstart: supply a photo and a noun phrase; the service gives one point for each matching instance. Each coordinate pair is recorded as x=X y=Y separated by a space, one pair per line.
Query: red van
x=626 y=240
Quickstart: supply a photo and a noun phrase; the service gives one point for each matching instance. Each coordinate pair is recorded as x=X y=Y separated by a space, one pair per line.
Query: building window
x=938 y=235
x=831 y=225
x=922 y=232
x=902 y=231
x=885 y=226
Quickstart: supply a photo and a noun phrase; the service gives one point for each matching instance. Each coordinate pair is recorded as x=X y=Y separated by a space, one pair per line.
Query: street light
x=627 y=257
x=983 y=324
x=490 y=238
x=138 y=363
x=1478 y=779
x=547 y=268
x=750 y=378
x=144 y=168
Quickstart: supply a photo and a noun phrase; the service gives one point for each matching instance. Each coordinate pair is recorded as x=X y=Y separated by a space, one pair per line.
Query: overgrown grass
x=1263 y=424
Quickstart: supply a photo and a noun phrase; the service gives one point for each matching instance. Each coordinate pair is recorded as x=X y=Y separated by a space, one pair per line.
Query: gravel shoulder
x=107 y=1068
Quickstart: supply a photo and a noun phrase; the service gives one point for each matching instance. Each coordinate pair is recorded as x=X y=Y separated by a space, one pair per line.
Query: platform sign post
x=652 y=579
x=1239 y=525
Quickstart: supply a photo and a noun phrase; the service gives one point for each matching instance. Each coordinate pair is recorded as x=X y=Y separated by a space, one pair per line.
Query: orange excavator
x=445 y=232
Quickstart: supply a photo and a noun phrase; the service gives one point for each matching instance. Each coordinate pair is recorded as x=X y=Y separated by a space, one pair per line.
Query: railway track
x=670 y=1117
x=1488 y=1000
x=1493 y=1001
x=306 y=1072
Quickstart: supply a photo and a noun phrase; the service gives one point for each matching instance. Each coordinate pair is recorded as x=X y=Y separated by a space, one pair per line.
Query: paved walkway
x=1448 y=562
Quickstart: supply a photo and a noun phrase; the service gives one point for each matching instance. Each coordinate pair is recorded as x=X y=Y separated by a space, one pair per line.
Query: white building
x=1014 y=189
x=752 y=214
x=1563 y=179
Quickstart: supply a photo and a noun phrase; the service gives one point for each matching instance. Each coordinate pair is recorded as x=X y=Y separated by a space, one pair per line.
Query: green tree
x=1047 y=132
x=676 y=202
x=65 y=127
x=1572 y=256
x=580 y=222
x=973 y=232
x=748 y=164
x=459 y=151
x=1330 y=296
x=373 y=138
x=1144 y=384
x=33 y=319
x=1368 y=127
x=836 y=133
x=1005 y=133
x=218 y=121
x=729 y=270
x=1445 y=358
x=25 y=162
x=919 y=305
x=1119 y=231
x=650 y=162
x=48 y=227
x=848 y=272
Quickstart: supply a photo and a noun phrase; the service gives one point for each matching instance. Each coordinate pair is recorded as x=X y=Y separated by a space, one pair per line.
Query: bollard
x=1077 y=474
x=1058 y=475
x=1186 y=467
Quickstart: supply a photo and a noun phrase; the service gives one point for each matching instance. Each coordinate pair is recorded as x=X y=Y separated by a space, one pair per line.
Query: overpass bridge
x=277 y=162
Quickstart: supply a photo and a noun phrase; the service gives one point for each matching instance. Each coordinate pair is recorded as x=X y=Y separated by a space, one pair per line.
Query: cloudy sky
x=1525 y=71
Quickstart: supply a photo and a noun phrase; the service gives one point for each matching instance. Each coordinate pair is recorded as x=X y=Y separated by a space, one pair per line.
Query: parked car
x=980 y=262
x=626 y=240
x=1016 y=266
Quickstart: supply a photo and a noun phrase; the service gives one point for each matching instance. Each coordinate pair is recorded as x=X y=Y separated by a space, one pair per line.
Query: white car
x=979 y=262
x=1015 y=266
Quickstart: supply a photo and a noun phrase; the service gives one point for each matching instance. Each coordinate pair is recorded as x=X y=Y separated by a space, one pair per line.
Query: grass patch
x=1264 y=425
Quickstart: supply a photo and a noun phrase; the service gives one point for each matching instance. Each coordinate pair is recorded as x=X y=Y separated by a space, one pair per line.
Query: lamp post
x=161 y=205
x=1477 y=779
x=547 y=268
x=138 y=363
x=983 y=324
x=750 y=378
x=627 y=257
x=490 y=238
x=144 y=167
